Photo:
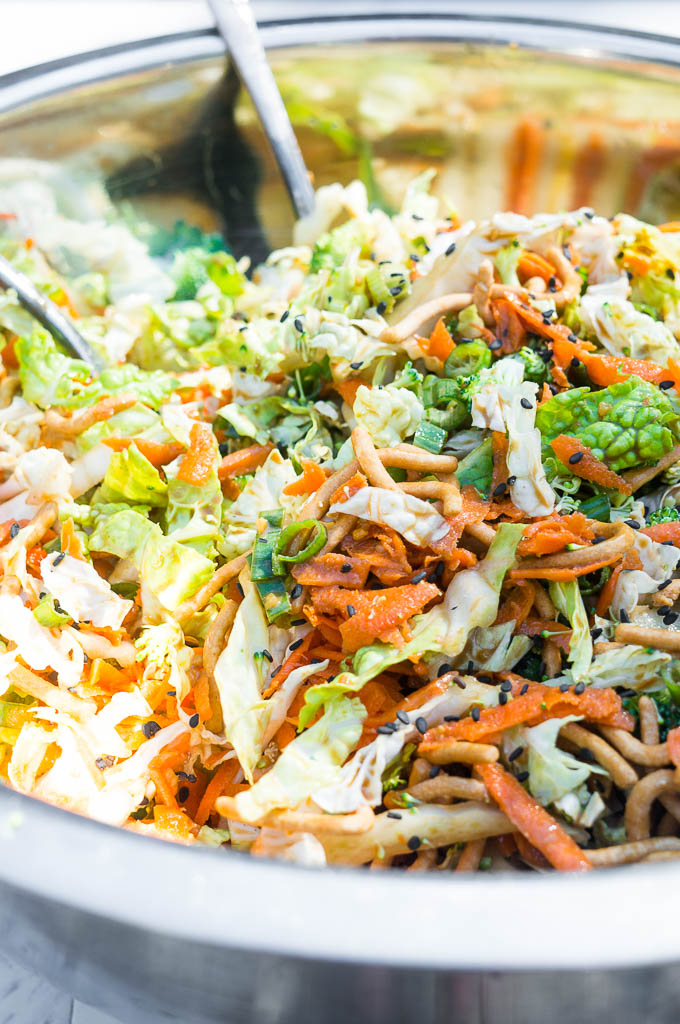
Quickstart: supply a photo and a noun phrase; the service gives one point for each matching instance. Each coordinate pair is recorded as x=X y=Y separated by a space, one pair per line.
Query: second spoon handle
x=238 y=28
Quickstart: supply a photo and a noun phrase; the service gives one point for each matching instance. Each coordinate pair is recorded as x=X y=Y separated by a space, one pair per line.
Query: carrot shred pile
x=581 y=462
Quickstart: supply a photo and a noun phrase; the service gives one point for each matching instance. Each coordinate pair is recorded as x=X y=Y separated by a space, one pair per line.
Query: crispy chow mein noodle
x=370 y=557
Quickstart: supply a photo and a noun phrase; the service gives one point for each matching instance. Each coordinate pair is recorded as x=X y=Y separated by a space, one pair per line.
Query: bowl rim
x=567 y=922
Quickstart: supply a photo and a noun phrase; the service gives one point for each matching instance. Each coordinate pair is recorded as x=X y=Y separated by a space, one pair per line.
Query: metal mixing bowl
x=139 y=927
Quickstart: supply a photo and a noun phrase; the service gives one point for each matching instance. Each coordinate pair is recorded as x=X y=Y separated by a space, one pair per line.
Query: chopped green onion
x=274 y=516
x=467 y=358
x=598 y=507
x=449 y=418
x=274 y=597
x=317 y=541
x=48 y=615
x=436 y=390
x=430 y=437
x=262 y=565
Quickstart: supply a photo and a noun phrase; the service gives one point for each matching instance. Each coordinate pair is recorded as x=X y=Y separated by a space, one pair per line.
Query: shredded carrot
x=440 y=344
x=532 y=820
x=383 y=550
x=664 y=532
x=546 y=536
x=201 y=693
x=197 y=465
x=532 y=265
x=108 y=677
x=530 y=854
x=34 y=559
x=70 y=542
x=331 y=569
x=587 y=466
x=217 y=786
x=673 y=740
x=670 y=226
x=517 y=604
x=347 y=389
x=173 y=823
x=165 y=793
x=539 y=702
x=345 y=492
x=370 y=614
x=299 y=657
x=563 y=575
x=604 y=370
x=310 y=481
x=157 y=453
x=499 y=452
x=9 y=356
x=6 y=528
x=559 y=634
x=509 y=328
x=533 y=319
x=247 y=460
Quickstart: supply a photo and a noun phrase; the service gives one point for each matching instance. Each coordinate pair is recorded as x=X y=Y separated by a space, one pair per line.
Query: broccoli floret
x=536 y=368
x=667 y=703
x=665 y=514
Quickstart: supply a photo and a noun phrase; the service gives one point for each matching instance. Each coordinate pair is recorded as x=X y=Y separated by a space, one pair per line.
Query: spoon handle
x=238 y=28
x=47 y=313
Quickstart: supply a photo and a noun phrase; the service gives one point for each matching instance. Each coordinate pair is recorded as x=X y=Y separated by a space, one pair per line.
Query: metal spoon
x=48 y=314
x=238 y=28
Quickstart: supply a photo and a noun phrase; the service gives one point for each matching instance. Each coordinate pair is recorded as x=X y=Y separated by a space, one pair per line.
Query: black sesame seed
x=506 y=686
x=356 y=366
x=517 y=752
x=575 y=362
x=666 y=583
x=526 y=404
x=299 y=326
x=171 y=693
x=522 y=776
x=576 y=457
x=240 y=589
x=512 y=480
x=666 y=384
x=403 y=717
x=495 y=345
x=183 y=794
x=396 y=290
x=193 y=721
x=524 y=689
x=670 y=273
x=623 y=615
x=482 y=678
x=381 y=307
x=633 y=523
x=421 y=724
x=384 y=730
x=299 y=622
x=594 y=633
x=295 y=592
x=60 y=558
x=150 y=729
x=579 y=688
x=671 y=618
x=284 y=316
x=443 y=669
x=572 y=337
x=351 y=610
x=434 y=771
x=346 y=567
x=587 y=755
x=295 y=644
x=451 y=249
x=460 y=682
x=419 y=577
x=413 y=843
x=451 y=718
x=502 y=698
x=598 y=540
x=668 y=543
x=564 y=687
x=394 y=814
x=13 y=530
x=268 y=655
x=315 y=661
x=501 y=489
x=474 y=714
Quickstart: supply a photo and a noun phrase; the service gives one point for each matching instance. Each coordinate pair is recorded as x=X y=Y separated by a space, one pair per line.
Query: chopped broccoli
x=667 y=702
x=536 y=368
x=665 y=514
x=192 y=268
x=167 y=241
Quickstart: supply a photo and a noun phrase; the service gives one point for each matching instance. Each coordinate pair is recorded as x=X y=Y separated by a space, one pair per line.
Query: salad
x=367 y=557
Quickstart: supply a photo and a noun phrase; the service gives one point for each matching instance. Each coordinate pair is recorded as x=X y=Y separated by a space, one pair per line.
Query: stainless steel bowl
x=141 y=928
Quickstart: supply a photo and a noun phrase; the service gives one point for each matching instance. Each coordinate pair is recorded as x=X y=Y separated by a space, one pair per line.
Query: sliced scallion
x=430 y=437
x=313 y=546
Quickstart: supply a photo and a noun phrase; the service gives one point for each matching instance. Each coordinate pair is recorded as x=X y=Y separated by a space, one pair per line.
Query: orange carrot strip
x=673 y=740
x=533 y=321
x=34 y=559
x=215 y=788
x=373 y=613
x=70 y=542
x=173 y=823
x=108 y=677
x=532 y=820
x=588 y=467
x=670 y=226
x=299 y=657
x=244 y=461
x=346 y=491
x=517 y=605
x=663 y=532
x=331 y=569
x=499 y=452
x=347 y=389
x=164 y=791
x=6 y=527
x=157 y=453
x=440 y=344
x=562 y=575
x=603 y=706
x=310 y=481
x=509 y=328
x=547 y=536
x=197 y=465
x=604 y=370
x=532 y=265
